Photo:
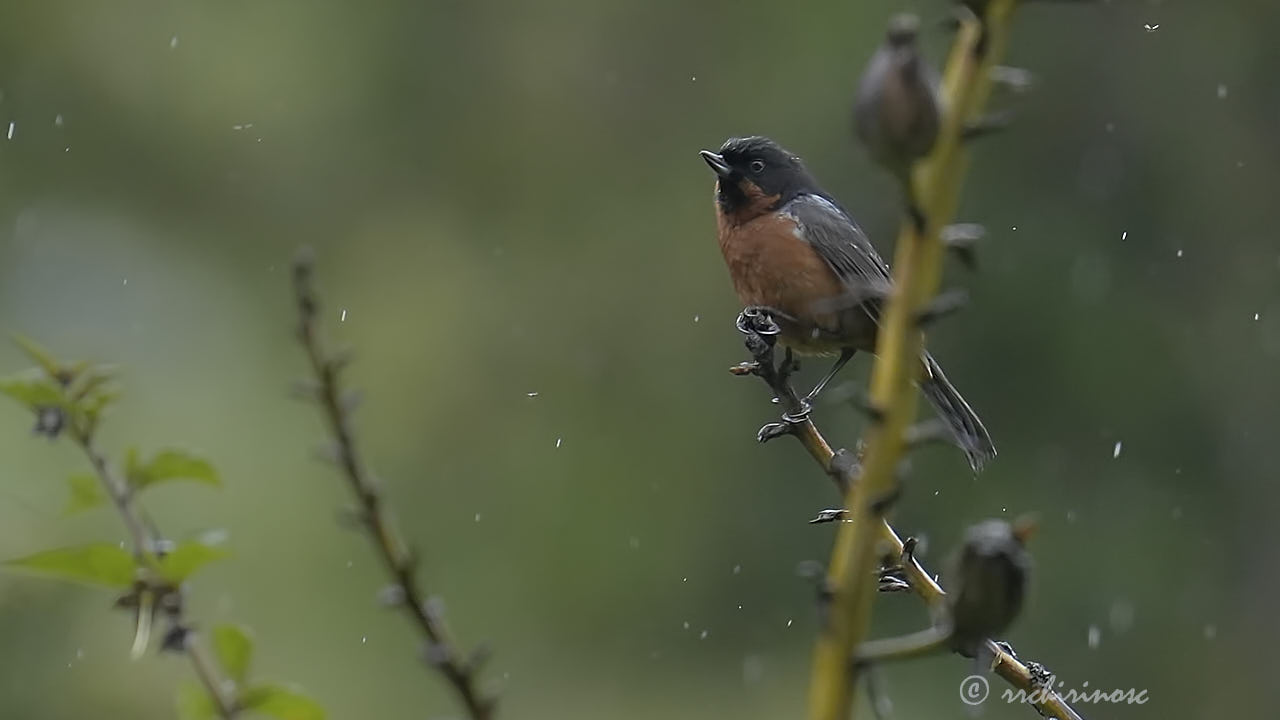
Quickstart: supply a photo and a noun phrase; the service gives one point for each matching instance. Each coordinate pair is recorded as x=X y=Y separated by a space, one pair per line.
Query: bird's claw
x=756 y=320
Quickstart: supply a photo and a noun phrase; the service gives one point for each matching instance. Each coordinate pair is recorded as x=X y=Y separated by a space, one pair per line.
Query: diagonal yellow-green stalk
x=917 y=265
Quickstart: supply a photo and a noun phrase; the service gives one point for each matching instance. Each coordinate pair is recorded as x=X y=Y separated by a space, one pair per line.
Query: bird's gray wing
x=844 y=247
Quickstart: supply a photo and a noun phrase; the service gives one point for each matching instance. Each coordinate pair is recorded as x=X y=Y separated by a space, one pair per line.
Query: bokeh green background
x=505 y=198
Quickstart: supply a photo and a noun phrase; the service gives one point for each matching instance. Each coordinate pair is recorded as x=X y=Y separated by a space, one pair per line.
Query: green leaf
x=168 y=465
x=181 y=562
x=86 y=493
x=281 y=702
x=193 y=702
x=32 y=389
x=39 y=355
x=98 y=564
x=234 y=648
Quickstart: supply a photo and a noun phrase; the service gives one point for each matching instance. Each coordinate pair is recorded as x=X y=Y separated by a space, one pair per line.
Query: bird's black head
x=756 y=175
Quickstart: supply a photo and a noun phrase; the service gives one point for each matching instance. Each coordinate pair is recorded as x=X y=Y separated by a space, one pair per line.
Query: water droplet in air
x=789 y=622
x=1095 y=637
x=1121 y=615
x=703 y=635
x=1179 y=253
x=364 y=639
x=11 y=126
x=737 y=569
x=686 y=624
x=1124 y=235
x=1222 y=91
x=1151 y=28
x=531 y=394
x=57 y=120
x=477 y=517
x=173 y=42
x=558 y=441
x=343 y=318
x=1255 y=316
x=1115 y=452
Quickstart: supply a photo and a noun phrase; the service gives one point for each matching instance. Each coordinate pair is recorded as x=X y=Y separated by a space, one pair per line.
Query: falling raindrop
x=1179 y=253
x=364 y=639
x=558 y=441
x=737 y=569
x=1151 y=28
x=57 y=120
x=1222 y=91
x=1121 y=615
x=1124 y=235
x=1115 y=452
x=703 y=635
x=11 y=126
x=1095 y=637
x=789 y=622
x=173 y=42
x=531 y=394
x=344 y=316
x=477 y=517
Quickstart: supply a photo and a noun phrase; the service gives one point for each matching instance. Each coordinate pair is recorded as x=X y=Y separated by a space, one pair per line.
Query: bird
x=792 y=249
x=897 y=109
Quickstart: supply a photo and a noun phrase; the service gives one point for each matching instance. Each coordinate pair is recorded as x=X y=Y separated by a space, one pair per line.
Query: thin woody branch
x=373 y=515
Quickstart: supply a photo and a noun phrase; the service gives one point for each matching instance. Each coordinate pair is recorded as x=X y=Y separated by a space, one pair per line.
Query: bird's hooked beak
x=721 y=168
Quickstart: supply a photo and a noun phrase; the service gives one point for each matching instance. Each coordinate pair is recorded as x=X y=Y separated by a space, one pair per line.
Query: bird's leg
x=845 y=356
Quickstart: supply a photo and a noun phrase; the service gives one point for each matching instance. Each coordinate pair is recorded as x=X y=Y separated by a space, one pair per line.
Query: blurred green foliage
x=506 y=200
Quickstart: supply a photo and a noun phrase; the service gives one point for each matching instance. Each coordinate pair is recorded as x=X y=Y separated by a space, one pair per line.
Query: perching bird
x=896 y=112
x=791 y=249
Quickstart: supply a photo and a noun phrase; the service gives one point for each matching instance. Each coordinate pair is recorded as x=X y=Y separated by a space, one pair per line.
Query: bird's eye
x=757 y=166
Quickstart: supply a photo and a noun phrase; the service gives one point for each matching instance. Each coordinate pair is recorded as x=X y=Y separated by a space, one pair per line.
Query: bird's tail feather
x=967 y=430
